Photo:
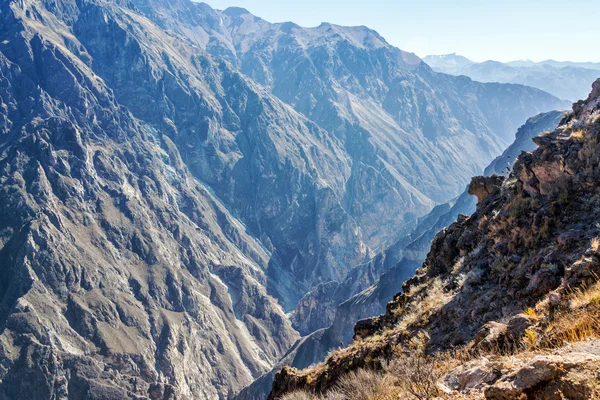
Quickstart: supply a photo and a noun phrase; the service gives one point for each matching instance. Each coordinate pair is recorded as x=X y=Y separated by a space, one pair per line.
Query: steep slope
x=123 y=274
x=321 y=201
x=394 y=266
x=569 y=81
x=284 y=177
x=531 y=245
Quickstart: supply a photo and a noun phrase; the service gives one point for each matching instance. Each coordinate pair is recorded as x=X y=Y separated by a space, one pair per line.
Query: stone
x=483 y=186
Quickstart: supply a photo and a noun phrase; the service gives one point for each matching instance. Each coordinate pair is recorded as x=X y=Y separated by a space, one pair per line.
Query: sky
x=502 y=30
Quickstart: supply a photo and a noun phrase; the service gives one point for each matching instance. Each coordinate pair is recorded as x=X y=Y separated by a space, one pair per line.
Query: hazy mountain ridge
x=566 y=80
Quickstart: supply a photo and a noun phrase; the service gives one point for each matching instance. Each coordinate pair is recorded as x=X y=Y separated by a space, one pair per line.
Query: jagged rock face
x=285 y=185
x=529 y=241
x=123 y=276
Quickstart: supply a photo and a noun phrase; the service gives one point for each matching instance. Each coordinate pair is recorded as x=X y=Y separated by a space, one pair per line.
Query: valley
x=193 y=199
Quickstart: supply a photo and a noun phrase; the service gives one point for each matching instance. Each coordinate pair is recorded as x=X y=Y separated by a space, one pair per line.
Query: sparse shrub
x=361 y=385
x=416 y=374
x=298 y=395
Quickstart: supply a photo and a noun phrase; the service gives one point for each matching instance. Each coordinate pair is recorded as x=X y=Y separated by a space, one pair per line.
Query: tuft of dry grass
x=585 y=295
x=530 y=339
x=577 y=320
x=572 y=326
x=363 y=385
x=531 y=313
x=298 y=395
x=576 y=134
x=595 y=244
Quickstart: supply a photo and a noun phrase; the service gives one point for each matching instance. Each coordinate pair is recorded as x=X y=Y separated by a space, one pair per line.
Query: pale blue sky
x=502 y=30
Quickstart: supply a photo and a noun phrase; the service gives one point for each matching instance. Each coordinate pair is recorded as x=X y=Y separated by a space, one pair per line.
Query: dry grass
x=298 y=395
x=576 y=134
x=585 y=295
x=410 y=375
x=364 y=385
x=578 y=320
x=595 y=244
x=530 y=339
x=426 y=304
x=571 y=326
x=530 y=312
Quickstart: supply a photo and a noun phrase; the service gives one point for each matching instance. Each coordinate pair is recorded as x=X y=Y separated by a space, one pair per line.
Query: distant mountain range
x=564 y=79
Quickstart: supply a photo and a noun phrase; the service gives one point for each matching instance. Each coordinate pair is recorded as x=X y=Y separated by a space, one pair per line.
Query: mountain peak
x=235 y=11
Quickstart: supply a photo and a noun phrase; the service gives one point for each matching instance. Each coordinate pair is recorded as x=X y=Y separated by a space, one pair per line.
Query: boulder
x=482 y=186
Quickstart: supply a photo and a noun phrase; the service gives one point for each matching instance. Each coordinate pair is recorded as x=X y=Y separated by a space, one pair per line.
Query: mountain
x=566 y=80
x=164 y=207
x=554 y=63
x=505 y=304
x=447 y=62
x=414 y=136
x=372 y=300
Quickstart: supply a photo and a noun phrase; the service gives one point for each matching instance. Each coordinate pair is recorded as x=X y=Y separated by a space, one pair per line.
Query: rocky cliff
x=517 y=279
x=122 y=275
x=406 y=129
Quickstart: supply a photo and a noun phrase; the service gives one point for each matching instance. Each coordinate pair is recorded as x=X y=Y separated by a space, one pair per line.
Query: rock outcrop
x=482 y=186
